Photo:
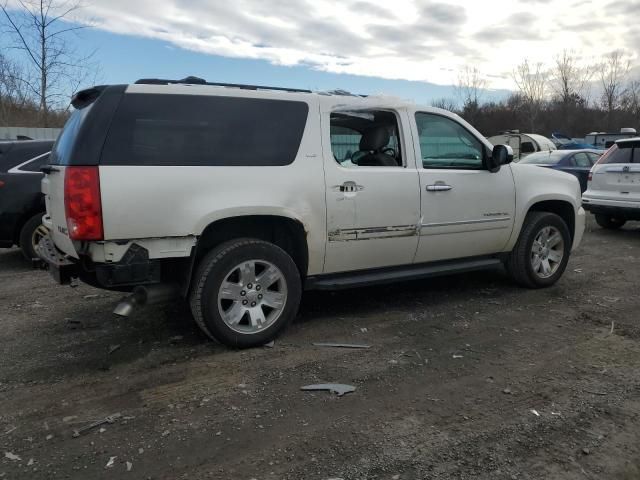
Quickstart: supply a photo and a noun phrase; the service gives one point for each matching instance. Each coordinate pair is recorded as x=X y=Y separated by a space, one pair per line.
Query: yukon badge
x=63 y=231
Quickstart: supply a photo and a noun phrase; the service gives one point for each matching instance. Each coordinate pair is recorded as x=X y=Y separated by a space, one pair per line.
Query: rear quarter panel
x=141 y=202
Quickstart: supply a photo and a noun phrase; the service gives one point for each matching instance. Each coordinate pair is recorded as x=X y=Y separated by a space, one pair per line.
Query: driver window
x=444 y=143
x=365 y=138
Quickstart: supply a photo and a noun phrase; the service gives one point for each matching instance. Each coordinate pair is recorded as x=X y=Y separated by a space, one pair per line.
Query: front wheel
x=609 y=222
x=245 y=293
x=542 y=251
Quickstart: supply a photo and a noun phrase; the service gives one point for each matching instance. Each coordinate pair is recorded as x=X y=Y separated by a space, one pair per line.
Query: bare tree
x=613 y=72
x=470 y=86
x=631 y=99
x=570 y=81
x=13 y=95
x=445 y=103
x=40 y=30
x=531 y=81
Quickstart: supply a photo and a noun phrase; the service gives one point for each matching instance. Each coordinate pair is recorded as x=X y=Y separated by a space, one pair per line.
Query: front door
x=372 y=189
x=467 y=211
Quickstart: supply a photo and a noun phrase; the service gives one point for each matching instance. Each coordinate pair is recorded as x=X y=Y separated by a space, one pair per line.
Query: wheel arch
x=562 y=208
x=285 y=232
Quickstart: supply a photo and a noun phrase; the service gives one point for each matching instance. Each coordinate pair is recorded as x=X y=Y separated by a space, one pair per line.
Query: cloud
x=425 y=40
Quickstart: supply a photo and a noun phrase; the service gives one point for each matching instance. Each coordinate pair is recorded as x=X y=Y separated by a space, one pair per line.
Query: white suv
x=613 y=190
x=238 y=197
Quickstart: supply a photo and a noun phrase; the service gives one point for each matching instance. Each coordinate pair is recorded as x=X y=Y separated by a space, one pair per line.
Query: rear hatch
x=616 y=176
x=79 y=145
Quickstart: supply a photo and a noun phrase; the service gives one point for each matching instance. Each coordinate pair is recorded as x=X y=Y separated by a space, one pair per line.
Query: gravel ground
x=467 y=377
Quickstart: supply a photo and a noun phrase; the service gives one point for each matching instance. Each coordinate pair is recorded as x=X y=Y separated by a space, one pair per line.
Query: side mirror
x=501 y=155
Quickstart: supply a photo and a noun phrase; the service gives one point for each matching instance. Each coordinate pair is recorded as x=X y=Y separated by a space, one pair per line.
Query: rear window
x=620 y=155
x=61 y=152
x=190 y=130
x=542 y=158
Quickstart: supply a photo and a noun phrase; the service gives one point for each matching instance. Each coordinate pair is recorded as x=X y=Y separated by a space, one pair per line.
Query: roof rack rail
x=200 y=81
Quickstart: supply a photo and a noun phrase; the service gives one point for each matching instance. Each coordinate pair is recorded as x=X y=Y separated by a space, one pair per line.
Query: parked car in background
x=575 y=162
x=613 y=193
x=523 y=144
x=21 y=201
x=607 y=139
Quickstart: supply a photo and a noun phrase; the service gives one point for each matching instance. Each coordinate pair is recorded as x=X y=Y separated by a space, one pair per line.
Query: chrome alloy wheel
x=547 y=252
x=37 y=235
x=252 y=296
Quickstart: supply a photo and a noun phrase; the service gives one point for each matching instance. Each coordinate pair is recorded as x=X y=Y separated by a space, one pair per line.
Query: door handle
x=349 y=187
x=439 y=187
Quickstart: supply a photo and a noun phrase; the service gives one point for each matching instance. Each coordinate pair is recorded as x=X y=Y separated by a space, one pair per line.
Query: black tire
x=609 y=222
x=212 y=271
x=26 y=236
x=519 y=264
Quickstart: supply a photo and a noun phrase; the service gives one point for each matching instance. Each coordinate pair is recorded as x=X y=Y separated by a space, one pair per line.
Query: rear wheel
x=542 y=251
x=607 y=221
x=30 y=234
x=245 y=292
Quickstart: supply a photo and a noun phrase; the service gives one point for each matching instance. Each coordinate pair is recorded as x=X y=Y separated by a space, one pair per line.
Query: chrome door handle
x=350 y=187
x=439 y=187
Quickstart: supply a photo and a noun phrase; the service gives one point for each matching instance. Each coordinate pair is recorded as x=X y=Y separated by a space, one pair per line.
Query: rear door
x=616 y=176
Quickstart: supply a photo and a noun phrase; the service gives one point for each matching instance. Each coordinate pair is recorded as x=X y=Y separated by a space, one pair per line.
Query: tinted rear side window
x=618 y=155
x=151 y=129
x=61 y=153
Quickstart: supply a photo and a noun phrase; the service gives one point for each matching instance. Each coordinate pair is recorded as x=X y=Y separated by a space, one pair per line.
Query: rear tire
x=245 y=292
x=541 y=254
x=609 y=222
x=30 y=235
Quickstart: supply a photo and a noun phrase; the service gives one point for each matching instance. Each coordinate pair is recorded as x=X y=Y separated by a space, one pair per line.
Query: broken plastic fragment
x=110 y=462
x=337 y=388
x=535 y=412
x=12 y=456
x=341 y=345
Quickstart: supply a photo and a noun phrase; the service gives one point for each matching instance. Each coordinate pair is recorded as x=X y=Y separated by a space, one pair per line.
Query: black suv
x=21 y=201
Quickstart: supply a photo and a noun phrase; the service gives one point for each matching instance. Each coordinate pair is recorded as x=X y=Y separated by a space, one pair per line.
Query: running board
x=380 y=276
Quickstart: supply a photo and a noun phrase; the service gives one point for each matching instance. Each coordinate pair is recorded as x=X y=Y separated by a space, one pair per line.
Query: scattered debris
x=92 y=295
x=557 y=414
x=12 y=456
x=577 y=270
x=364 y=330
x=612 y=326
x=341 y=345
x=270 y=344
x=393 y=361
x=337 y=388
x=129 y=466
x=110 y=462
x=49 y=437
x=165 y=433
x=535 y=412
x=8 y=431
x=507 y=391
x=114 y=348
x=457 y=356
x=30 y=462
x=595 y=393
x=140 y=451
x=586 y=451
x=107 y=419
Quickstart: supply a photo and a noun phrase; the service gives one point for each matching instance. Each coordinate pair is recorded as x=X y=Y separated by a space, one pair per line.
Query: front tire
x=245 y=293
x=540 y=256
x=30 y=234
x=609 y=222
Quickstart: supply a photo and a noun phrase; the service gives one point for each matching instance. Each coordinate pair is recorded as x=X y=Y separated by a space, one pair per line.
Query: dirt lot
x=456 y=369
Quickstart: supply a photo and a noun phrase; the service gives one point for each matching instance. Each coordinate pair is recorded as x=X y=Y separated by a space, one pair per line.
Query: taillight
x=82 y=204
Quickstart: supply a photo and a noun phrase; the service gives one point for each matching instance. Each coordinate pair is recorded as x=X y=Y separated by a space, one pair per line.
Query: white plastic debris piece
x=165 y=433
x=129 y=466
x=30 y=462
x=457 y=356
x=337 y=388
x=341 y=345
x=535 y=412
x=110 y=462
x=12 y=456
x=270 y=344
x=556 y=414
x=49 y=437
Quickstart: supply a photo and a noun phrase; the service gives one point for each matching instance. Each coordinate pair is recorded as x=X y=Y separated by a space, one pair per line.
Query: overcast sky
x=420 y=40
x=365 y=45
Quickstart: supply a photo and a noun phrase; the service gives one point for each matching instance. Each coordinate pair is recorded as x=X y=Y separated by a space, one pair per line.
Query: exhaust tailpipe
x=146 y=295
